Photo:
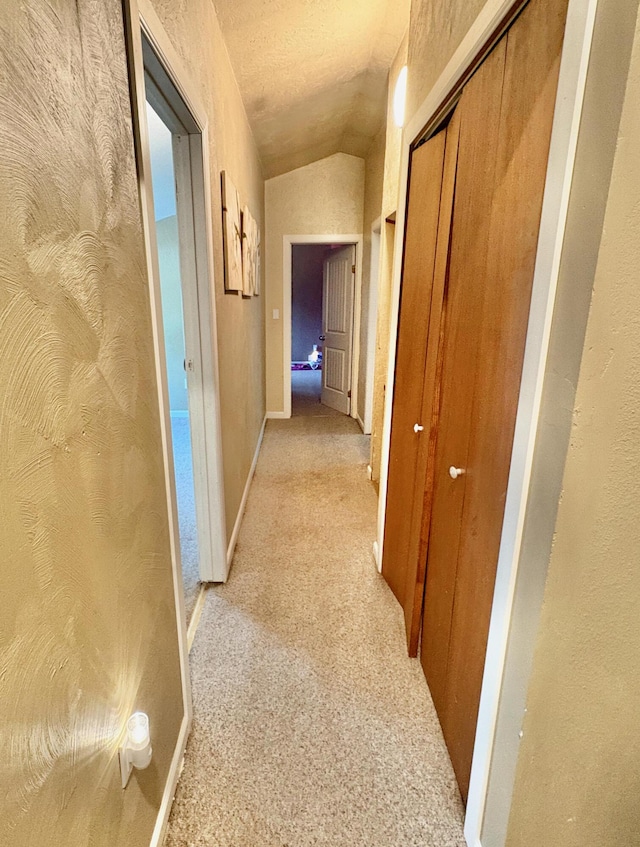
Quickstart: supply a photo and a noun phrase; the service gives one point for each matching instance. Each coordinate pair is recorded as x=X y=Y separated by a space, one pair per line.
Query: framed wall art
x=250 y=254
x=232 y=235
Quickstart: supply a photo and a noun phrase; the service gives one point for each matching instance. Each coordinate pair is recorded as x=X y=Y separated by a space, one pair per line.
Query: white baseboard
x=277 y=416
x=160 y=829
x=236 y=528
x=196 y=614
x=360 y=421
x=376 y=556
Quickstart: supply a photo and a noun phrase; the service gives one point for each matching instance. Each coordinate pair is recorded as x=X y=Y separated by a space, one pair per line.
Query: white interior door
x=337 y=328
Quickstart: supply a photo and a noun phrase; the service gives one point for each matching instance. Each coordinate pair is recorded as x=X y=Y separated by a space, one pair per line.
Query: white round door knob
x=454 y=473
x=417 y=428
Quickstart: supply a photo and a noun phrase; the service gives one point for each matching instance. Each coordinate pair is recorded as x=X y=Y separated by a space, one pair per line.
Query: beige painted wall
x=577 y=779
x=325 y=197
x=393 y=148
x=436 y=29
x=195 y=33
x=88 y=625
x=373 y=182
x=390 y=190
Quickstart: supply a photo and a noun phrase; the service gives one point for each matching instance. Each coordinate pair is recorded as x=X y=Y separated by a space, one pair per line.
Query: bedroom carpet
x=305 y=395
x=311 y=725
x=182 y=463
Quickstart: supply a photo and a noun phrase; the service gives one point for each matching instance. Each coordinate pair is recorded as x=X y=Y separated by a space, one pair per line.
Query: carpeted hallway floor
x=311 y=725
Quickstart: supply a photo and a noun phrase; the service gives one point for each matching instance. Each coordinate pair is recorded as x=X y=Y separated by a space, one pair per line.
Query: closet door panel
x=479 y=111
x=421 y=517
x=533 y=48
x=413 y=330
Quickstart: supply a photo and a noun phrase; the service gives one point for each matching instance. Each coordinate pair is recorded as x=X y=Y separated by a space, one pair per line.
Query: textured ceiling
x=312 y=73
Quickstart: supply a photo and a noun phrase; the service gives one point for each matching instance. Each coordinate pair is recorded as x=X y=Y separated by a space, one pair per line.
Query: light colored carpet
x=183 y=466
x=306 y=387
x=311 y=725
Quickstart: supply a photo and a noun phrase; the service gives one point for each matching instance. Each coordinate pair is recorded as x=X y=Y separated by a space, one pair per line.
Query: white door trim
x=372 y=323
x=571 y=86
x=192 y=162
x=152 y=27
x=287 y=255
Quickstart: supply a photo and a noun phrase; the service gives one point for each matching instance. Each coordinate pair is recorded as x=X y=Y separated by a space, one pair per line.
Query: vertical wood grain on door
x=533 y=48
x=466 y=290
x=479 y=111
x=423 y=487
x=413 y=333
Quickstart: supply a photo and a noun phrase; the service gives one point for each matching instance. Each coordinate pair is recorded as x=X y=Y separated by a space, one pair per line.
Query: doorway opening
x=173 y=148
x=175 y=352
x=307 y=265
x=322 y=363
x=322 y=318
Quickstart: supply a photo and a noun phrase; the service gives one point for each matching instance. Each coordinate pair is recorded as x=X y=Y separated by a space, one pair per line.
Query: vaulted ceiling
x=312 y=73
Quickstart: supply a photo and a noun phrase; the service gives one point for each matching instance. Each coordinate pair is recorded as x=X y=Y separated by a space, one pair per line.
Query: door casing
x=196 y=284
x=287 y=247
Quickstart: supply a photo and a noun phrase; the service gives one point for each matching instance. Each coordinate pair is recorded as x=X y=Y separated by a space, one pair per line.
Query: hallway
x=480 y=157
x=311 y=725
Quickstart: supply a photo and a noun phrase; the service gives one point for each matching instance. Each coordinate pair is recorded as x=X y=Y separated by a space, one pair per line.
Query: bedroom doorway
x=323 y=295
x=307 y=262
x=178 y=366
x=174 y=189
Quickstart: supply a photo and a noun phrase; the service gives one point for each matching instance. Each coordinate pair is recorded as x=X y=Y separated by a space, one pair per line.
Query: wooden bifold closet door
x=433 y=167
x=454 y=479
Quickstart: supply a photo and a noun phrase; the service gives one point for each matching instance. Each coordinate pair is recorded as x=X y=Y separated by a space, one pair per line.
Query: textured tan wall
x=195 y=33
x=577 y=779
x=393 y=149
x=390 y=190
x=436 y=29
x=88 y=627
x=324 y=197
x=373 y=182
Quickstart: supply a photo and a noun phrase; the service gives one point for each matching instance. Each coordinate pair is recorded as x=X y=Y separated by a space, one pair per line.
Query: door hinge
x=353 y=269
x=349 y=393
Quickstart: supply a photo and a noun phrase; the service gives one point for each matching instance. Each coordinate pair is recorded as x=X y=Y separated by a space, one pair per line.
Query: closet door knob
x=454 y=473
x=417 y=428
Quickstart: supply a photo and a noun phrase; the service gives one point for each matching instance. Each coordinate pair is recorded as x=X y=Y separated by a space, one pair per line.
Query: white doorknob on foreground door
x=454 y=473
x=417 y=428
